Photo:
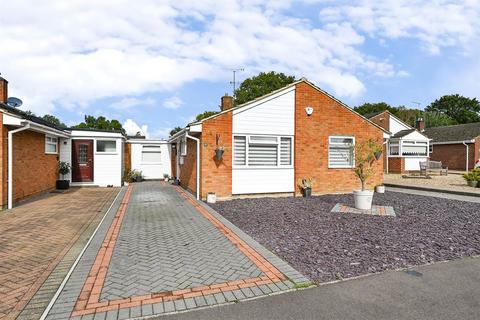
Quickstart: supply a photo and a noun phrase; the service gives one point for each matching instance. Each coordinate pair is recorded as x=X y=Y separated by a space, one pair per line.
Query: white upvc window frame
x=277 y=143
x=105 y=152
x=333 y=166
x=414 y=143
x=150 y=151
x=396 y=143
x=49 y=142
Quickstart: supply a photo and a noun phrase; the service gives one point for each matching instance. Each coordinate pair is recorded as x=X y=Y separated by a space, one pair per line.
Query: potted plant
x=306 y=185
x=380 y=188
x=136 y=176
x=165 y=177
x=63 y=169
x=211 y=197
x=364 y=159
x=471 y=178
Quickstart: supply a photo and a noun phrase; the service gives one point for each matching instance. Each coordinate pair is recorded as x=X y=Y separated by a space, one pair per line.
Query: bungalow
x=30 y=149
x=267 y=145
x=406 y=147
x=457 y=146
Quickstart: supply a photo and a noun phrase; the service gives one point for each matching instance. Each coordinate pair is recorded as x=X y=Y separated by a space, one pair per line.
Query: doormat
x=375 y=211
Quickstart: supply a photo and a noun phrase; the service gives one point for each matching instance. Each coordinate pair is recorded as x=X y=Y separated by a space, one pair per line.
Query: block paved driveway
x=160 y=251
x=39 y=242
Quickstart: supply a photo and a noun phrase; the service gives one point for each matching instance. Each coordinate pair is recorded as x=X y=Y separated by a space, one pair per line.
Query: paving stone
x=169 y=306
x=123 y=314
x=190 y=303
x=147 y=310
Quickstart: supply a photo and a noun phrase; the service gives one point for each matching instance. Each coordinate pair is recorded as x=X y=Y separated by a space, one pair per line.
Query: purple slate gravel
x=325 y=246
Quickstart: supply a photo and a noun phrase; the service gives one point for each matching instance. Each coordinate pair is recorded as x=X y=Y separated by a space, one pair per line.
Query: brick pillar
x=3 y=90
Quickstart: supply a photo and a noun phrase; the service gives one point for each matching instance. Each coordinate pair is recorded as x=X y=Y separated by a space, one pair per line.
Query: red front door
x=82 y=160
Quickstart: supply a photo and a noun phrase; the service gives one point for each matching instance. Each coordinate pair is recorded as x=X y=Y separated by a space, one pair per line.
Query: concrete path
x=160 y=251
x=39 y=242
x=448 y=290
x=437 y=194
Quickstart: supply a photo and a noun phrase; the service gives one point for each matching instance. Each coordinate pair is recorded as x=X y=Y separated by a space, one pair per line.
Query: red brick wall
x=3 y=90
x=454 y=155
x=188 y=170
x=34 y=171
x=216 y=175
x=173 y=161
x=382 y=119
x=396 y=165
x=311 y=141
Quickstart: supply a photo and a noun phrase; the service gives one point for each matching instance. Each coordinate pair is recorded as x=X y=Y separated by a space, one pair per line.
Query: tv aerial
x=14 y=102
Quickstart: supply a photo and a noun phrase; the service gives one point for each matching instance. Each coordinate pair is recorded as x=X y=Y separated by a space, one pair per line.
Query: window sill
x=106 y=153
x=261 y=167
x=51 y=153
x=349 y=167
x=150 y=163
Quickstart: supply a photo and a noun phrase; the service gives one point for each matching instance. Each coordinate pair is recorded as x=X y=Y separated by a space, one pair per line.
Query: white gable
x=397 y=125
x=415 y=135
x=274 y=114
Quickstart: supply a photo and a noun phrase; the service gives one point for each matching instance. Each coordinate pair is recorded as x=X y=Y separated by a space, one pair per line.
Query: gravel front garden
x=327 y=246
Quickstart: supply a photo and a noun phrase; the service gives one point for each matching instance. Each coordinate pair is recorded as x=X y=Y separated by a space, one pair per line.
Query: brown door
x=82 y=160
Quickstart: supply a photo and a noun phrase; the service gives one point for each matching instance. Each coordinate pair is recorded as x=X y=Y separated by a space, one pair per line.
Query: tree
x=54 y=120
x=437 y=119
x=407 y=115
x=263 y=83
x=205 y=114
x=369 y=108
x=459 y=108
x=100 y=123
x=175 y=130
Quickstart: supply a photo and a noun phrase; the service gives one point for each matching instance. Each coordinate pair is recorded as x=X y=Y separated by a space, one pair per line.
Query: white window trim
x=151 y=162
x=247 y=143
x=51 y=143
x=105 y=152
x=415 y=143
x=330 y=166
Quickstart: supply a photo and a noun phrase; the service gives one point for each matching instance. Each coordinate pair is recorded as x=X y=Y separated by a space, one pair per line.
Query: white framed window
x=414 y=148
x=262 y=151
x=106 y=146
x=341 y=152
x=151 y=154
x=51 y=144
x=394 y=148
x=182 y=146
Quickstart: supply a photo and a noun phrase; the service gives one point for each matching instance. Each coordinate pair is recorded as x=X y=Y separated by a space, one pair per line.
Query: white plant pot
x=211 y=197
x=363 y=199
x=380 y=189
x=166 y=179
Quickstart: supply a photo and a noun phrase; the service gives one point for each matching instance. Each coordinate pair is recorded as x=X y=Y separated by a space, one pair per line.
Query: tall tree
x=461 y=109
x=205 y=114
x=101 y=123
x=54 y=120
x=437 y=119
x=369 y=108
x=263 y=83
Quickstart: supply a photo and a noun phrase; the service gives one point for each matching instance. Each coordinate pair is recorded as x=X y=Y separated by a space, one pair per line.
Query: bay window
x=262 y=151
x=414 y=148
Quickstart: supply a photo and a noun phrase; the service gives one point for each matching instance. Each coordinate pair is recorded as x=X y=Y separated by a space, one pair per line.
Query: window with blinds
x=341 y=152
x=239 y=150
x=286 y=151
x=262 y=151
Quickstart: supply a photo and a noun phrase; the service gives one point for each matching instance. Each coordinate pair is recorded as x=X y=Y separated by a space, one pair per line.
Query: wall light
x=309 y=111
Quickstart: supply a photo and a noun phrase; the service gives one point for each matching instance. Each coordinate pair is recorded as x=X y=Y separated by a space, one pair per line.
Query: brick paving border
x=375 y=211
x=88 y=302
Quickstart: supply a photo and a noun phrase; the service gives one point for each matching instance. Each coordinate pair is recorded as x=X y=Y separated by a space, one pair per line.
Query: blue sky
x=158 y=64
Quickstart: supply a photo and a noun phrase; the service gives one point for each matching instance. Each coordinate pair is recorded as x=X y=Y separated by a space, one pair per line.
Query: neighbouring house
x=267 y=145
x=150 y=156
x=406 y=147
x=456 y=146
x=31 y=148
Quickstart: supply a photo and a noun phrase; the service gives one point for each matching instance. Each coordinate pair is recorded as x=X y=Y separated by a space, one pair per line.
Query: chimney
x=227 y=102
x=3 y=90
x=420 y=125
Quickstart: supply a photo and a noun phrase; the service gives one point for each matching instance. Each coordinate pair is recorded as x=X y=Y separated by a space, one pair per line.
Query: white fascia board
x=95 y=134
x=147 y=141
x=196 y=128
x=11 y=120
x=453 y=142
x=47 y=130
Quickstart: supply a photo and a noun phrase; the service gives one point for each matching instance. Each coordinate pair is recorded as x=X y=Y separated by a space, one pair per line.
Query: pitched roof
x=293 y=84
x=459 y=132
x=29 y=117
x=403 y=133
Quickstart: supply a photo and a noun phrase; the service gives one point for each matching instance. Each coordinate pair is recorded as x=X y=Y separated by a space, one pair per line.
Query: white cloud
x=131 y=128
x=173 y=103
x=128 y=103
x=91 y=51
x=435 y=24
